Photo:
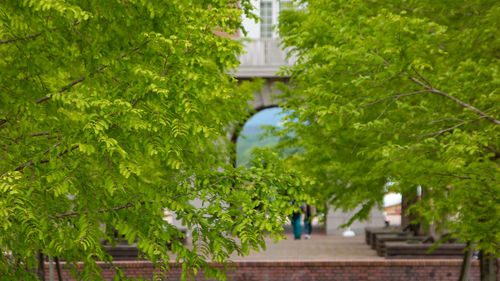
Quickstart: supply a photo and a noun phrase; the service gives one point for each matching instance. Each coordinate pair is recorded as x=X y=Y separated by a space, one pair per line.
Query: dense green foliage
x=406 y=91
x=112 y=112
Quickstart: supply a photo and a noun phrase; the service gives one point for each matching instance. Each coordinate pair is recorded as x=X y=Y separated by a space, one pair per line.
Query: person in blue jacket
x=297 y=228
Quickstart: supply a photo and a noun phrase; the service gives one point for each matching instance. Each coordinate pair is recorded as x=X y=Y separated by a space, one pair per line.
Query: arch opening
x=251 y=134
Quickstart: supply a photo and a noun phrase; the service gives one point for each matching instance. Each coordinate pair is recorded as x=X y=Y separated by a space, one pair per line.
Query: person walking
x=309 y=212
x=296 y=227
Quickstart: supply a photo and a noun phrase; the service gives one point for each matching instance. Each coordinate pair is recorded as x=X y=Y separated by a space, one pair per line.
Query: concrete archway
x=266 y=98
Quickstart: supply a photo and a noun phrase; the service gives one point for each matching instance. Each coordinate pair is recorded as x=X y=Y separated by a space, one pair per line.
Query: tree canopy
x=112 y=112
x=406 y=92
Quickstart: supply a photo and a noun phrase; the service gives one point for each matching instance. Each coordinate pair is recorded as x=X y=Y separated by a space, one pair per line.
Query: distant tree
x=112 y=112
x=404 y=92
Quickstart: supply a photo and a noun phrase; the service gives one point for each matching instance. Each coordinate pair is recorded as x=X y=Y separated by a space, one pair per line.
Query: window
x=266 y=14
x=285 y=5
x=268 y=11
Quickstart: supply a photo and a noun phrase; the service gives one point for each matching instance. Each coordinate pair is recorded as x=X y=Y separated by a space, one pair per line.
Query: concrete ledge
x=341 y=270
x=264 y=71
x=275 y=263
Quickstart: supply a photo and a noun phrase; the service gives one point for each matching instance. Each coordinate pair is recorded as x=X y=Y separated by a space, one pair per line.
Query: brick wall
x=380 y=270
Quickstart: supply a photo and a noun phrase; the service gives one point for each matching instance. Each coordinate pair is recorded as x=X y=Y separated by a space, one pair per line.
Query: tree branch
x=29 y=163
x=452 y=175
x=422 y=77
x=31 y=36
x=466 y=105
x=428 y=86
x=66 y=151
x=54 y=146
x=19 y=39
x=447 y=129
x=126 y=206
x=32 y=135
x=81 y=79
x=463 y=104
x=23 y=166
x=442 y=120
x=394 y=96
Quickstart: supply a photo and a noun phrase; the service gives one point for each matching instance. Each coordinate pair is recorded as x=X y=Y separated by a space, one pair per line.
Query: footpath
x=319 y=248
x=322 y=258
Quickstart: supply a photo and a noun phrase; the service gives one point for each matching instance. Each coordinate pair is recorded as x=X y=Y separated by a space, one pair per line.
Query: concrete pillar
x=337 y=218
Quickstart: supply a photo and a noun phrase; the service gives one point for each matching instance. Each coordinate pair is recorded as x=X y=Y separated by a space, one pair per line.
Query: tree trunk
x=41 y=267
x=466 y=262
x=488 y=267
x=51 y=269
x=406 y=219
x=58 y=267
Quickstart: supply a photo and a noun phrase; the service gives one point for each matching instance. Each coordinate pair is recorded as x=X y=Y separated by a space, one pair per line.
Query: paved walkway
x=318 y=248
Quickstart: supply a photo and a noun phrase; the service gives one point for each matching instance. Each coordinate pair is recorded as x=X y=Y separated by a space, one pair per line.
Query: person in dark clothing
x=297 y=228
x=308 y=213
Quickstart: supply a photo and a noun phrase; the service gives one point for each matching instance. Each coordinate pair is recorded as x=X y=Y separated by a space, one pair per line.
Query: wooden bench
x=370 y=230
x=404 y=250
x=376 y=235
x=123 y=252
x=381 y=239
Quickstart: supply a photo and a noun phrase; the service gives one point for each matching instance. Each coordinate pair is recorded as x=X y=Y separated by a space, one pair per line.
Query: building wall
x=386 y=270
x=337 y=218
